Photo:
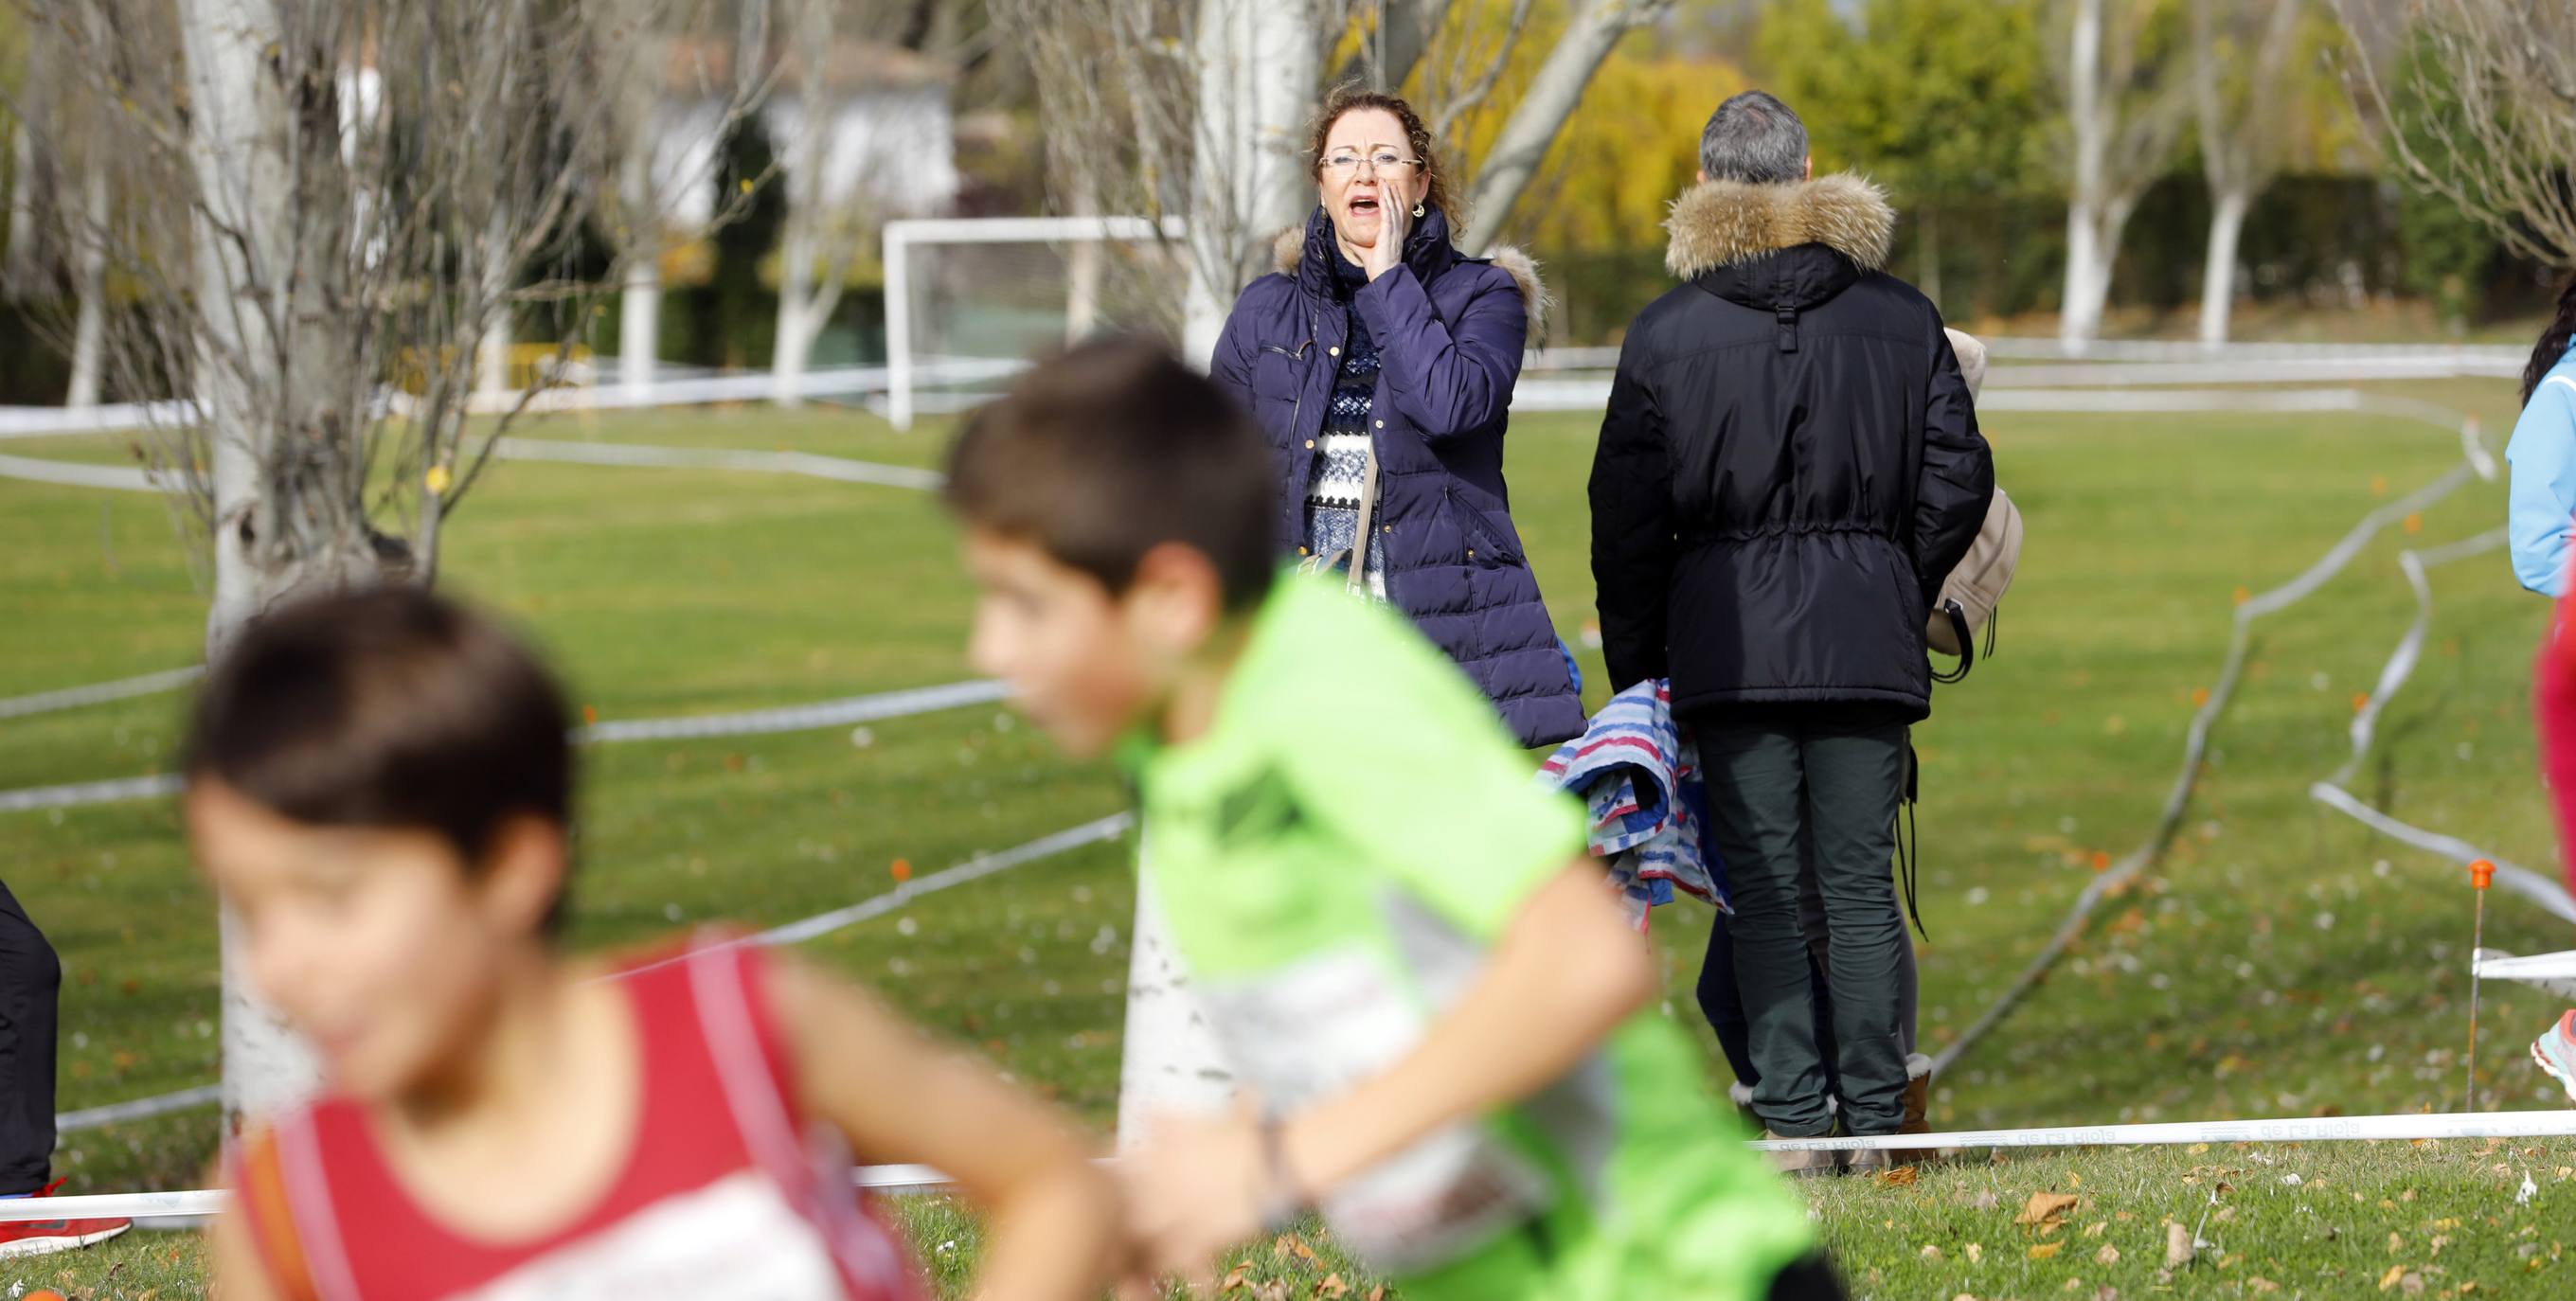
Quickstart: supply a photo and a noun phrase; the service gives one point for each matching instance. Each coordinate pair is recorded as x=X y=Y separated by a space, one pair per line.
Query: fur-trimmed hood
x=1720 y=223
x=1289 y=250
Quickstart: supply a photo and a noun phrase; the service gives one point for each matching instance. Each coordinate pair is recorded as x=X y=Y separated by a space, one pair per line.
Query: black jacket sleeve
x=1957 y=481
x=1633 y=546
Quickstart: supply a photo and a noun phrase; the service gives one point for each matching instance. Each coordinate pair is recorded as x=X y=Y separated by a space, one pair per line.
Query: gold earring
x=1417 y=210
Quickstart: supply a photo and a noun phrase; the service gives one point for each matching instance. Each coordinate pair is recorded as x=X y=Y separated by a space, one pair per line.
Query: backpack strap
x=1967 y=639
x=260 y=1199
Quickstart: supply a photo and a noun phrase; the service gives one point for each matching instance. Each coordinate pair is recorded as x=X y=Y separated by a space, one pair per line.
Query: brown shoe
x=1918 y=1111
x=1799 y=1164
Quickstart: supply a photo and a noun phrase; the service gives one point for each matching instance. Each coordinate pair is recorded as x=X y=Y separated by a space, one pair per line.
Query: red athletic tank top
x=726 y=1192
x=2553 y=700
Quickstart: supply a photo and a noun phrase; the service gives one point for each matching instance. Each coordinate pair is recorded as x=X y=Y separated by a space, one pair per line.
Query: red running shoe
x=21 y=1238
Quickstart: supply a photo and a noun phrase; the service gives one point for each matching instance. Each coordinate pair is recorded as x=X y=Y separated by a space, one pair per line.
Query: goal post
x=1064 y=283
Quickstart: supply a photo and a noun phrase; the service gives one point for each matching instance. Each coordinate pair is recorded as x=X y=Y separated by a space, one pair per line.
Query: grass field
x=2283 y=961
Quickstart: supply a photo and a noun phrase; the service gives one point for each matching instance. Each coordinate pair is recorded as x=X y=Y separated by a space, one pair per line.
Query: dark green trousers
x=1789 y=787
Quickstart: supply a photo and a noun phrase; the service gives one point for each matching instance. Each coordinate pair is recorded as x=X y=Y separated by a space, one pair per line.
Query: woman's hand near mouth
x=1394 y=222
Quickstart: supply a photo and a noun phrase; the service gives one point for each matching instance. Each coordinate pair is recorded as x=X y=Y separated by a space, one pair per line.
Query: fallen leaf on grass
x=1235 y=1279
x=1332 y=1286
x=2108 y=1255
x=1902 y=1176
x=1289 y=1244
x=2177 y=1246
x=2045 y=1250
x=2045 y=1206
x=1976 y=1254
x=1984 y=1201
x=2094 y=1230
x=2258 y=1283
x=1377 y=1293
x=1932 y=1251
x=2411 y=1285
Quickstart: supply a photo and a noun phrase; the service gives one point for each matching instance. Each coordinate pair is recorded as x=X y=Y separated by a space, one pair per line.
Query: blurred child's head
x=379 y=783
x=1117 y=508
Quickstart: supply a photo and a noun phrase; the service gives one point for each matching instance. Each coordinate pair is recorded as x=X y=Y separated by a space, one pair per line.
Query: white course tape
x=2027 y=348
x=2513 y=876
x=206 y=1203
x=2325 y=1129
x=808 y=464
x=76 y=794
x=838 y=381
x=117 y=1113
x=77 y=474
x=799 y=718
x=2401 y=664
x=123 y=688
x=2196 y=747
x=796 y=932
x=792 y=718
x=201 y=1203
x=2555 y=972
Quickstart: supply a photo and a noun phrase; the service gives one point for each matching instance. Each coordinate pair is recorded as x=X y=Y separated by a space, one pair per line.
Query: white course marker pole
x=1170 y=1059
x=898 y=324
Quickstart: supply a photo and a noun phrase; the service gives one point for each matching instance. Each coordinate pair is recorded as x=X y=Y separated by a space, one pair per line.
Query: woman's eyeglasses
x=1385 y=160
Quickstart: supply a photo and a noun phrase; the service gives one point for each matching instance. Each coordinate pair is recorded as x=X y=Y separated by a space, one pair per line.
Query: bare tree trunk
x=1256 y=64
x=1541 y=114
x=1170 y=1060
x=89 y=280
x=1083 y=272
x=239 y=125
x=1929 y=280
x=1388 y=56
x=803 y=304
x=2088 y=258
x=639 y=323
x=639 y=306
x=20 y=272
x=2218 y=272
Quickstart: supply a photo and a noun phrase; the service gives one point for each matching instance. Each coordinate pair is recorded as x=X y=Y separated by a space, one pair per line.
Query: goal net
x=970 y=300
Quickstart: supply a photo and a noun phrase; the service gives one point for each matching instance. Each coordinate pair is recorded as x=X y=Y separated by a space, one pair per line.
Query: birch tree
x=2125 y=108
x=348 y=193
x=857 y=141
x=60 y=206
x=1542 y=109
x=2243 y=91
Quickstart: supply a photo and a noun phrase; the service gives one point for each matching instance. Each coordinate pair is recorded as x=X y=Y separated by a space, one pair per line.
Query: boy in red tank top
x=379 y=785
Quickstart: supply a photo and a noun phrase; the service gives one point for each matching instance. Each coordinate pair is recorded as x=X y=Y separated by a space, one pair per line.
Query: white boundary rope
x=2478 y=465
x=2555 y=972
x=2325 y=1129
x=2393 y=675
x=843 y=712
x=809 y=464
x=796 y=932
x=202 y=1203
x=74 y=697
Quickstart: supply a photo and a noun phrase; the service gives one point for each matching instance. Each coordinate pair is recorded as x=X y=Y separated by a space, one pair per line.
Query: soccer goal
x=970 y=299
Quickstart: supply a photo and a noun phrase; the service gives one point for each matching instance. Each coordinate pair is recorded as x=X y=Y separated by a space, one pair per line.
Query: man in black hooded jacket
x=1789 y=468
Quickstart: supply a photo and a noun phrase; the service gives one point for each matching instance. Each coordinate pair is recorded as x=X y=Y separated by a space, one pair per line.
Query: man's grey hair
x=1756 y=139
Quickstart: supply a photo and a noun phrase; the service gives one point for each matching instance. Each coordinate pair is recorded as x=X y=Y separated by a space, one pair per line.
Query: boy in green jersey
x=1427 y=989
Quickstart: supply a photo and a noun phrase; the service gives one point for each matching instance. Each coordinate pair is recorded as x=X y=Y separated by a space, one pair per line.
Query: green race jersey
x=1333 y=858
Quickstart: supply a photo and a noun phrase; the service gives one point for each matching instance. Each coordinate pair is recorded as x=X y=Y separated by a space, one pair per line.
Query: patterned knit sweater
x=1341 y=455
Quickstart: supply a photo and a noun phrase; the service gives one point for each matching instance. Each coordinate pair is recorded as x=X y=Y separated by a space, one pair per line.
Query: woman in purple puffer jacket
x=1379 y=347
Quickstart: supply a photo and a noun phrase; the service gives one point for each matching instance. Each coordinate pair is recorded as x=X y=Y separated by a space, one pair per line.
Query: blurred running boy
x=1397 y=935
x=380 y=784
